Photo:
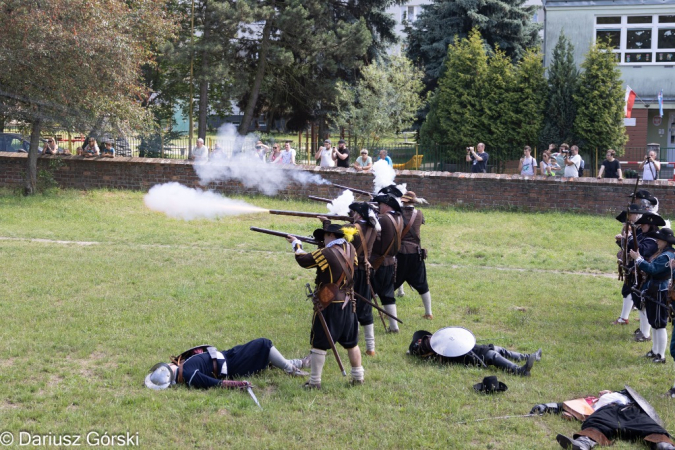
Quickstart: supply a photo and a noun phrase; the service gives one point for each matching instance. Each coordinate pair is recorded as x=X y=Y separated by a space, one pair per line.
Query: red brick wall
x=481 y=191
x=637 y=135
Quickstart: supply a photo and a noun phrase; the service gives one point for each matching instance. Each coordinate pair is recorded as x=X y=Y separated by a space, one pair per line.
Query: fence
x=404 y=155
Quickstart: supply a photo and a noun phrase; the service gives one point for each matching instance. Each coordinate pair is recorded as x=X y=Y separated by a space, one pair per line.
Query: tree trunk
x=203 y=79
x=257 y=83
x=31 y=162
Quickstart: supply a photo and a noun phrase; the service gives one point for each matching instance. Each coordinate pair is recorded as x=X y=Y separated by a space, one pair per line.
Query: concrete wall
x=480 y=191
x=578 y=24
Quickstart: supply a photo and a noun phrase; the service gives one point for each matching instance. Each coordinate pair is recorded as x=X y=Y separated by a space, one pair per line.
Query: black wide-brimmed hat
x=332 y=228
x=361 y=208
x=634 y=208
x=664 y=234
x=490 y=385
x=391 y=189
x=646 y=195
x=651 y=219
x=388 y=200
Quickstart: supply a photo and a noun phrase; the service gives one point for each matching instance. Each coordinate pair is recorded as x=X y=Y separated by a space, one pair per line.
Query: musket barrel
x=308 y=214
x=358 y=191
x=320 y=199
x=305 y=239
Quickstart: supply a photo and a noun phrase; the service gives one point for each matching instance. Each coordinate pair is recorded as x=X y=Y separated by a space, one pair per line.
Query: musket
x=324 y=325
x=308 y=214
x=382 y=311
x=357 y=191
x=624 y=270
x=320 y=199
x=305 y=239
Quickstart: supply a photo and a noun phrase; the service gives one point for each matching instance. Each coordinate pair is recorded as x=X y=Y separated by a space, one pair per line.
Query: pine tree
x=562 y=86
x=506 y=24
x=456 y=106
x=530 y=97
x=600 y=102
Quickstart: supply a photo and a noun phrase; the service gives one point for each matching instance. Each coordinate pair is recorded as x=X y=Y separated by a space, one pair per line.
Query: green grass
x=82 y=324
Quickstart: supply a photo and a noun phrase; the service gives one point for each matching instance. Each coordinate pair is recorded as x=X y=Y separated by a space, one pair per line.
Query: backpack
x=581 y=168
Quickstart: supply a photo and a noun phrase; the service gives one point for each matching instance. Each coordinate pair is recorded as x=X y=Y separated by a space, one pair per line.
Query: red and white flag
x=630 y=99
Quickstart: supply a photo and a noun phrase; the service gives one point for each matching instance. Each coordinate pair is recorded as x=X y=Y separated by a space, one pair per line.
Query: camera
x=565 y=151
x=469 y=149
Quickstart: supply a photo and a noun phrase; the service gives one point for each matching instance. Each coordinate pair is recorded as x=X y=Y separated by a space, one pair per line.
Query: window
x=636 y=40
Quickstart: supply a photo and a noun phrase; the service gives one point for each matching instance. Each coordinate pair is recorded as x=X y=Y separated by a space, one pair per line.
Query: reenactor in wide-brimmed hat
x=334 y=319
x=654 y=291
x=410 y=265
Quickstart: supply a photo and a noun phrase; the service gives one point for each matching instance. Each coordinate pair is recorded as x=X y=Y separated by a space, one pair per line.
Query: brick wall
x=482 y=191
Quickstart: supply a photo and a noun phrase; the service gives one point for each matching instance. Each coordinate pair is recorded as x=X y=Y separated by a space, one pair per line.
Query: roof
x=593 y=3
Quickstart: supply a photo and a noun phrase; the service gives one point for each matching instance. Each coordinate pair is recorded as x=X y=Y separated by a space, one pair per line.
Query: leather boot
x=515 y=356
x=581 y=443
x=508 y=366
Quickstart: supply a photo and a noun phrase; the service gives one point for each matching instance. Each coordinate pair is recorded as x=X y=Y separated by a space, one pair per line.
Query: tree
x=504 y=24
x=81 y=62
x=530 y=97
x=600 y=101
x=562 y=86
x=384 y=100
x=456 y=106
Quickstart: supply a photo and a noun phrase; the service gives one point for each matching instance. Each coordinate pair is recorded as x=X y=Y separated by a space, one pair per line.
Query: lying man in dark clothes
x=205 y=367
x=618 y=415
x=457 y=345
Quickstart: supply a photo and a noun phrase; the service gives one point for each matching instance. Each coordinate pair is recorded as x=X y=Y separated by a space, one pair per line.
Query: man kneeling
x=206 y=367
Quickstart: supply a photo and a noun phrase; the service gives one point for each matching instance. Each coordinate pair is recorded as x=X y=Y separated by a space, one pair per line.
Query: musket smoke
x=238 y=161
x=181 y=202
x=384 y=175
x=340 y=206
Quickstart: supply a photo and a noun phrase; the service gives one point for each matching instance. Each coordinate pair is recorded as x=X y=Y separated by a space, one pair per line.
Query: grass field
x=83 y=323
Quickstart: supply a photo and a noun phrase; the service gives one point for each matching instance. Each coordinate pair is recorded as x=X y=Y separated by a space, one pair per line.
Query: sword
x=500 y=417
x=255 y=399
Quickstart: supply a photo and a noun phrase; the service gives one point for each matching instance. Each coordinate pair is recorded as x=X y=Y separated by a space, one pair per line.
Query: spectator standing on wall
x=479 y=157
x=650 y=167
x=288 y=154
x=326 y=155
x=558 y=156
x=364 y=162
x=52 y=148
x=90 y=150
x=572 y=162
x=199 y=152
x=261 y=150
x=342 y=154
x=383 y=155
x=611 y=168
x=108 y=150
x=527 y=164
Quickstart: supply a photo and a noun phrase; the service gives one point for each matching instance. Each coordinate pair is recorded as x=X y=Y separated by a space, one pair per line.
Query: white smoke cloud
x=181 y=202
x=340 y=206
x=384 y=175
x=238 y=161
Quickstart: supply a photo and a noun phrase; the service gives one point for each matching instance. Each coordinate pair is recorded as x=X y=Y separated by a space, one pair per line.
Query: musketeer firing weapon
x=317 y=310
x=624 y=270
x=308 y=214
x=306 y=239
x=320 y=199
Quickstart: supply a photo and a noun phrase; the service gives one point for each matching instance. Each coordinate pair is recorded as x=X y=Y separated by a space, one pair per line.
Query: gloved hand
x=233 y=384
x=542 y=408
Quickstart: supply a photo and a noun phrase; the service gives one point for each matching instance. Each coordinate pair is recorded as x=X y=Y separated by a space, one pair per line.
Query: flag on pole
x=661 y=103
x=630 y=99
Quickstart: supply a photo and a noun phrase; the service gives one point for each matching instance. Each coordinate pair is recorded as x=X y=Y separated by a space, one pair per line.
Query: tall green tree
x=506 y=24
x=72 y=61
x=600 y=101
x=456 y=106
x=384 y=100
x=563 y=82
x=530 y=97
